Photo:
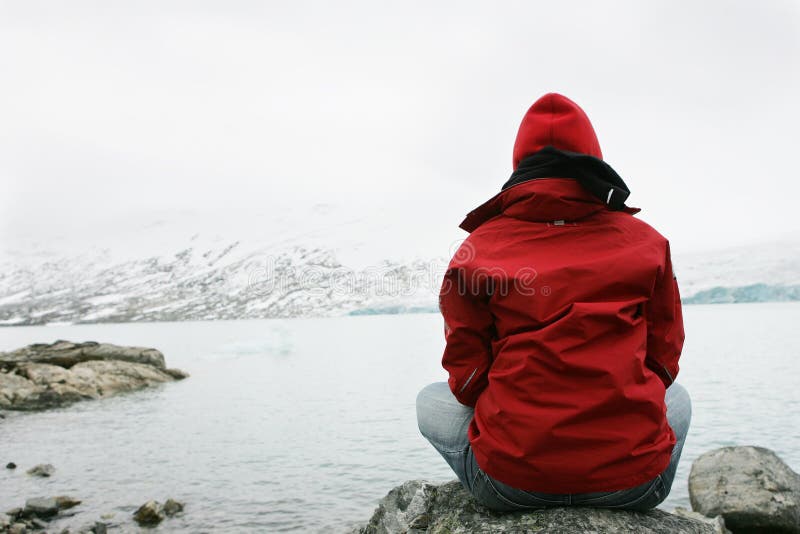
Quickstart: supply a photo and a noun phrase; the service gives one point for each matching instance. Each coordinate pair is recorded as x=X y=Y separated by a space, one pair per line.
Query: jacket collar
x=539 y=200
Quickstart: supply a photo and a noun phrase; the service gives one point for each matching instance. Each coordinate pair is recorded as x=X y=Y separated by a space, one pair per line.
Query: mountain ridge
x=168 y=273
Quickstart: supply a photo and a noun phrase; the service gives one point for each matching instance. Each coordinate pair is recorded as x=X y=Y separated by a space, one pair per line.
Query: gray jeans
x=444 y=422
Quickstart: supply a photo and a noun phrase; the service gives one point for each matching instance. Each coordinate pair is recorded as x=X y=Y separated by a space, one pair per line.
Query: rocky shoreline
x=42 y=376
x=38 y=512
x=732 y=489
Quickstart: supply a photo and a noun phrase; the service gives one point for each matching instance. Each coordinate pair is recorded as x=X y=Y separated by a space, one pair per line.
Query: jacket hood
x=555 y=120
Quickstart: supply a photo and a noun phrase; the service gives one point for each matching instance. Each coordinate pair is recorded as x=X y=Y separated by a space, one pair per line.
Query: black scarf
x=594 y=174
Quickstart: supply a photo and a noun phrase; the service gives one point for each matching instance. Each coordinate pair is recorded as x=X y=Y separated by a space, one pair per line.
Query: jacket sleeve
x=468 y=331
x=665 y=333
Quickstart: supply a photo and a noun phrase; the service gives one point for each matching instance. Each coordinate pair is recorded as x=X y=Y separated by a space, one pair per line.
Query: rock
x=5 y=522
x=718 y=522
x=18 y=528
x=35 y=386
x=42 y=376
x=11 y=465
x=65 y=502
x=100 y=528
x=150 y=513
x=41 y=507
x=177 y=374
x=14 y=513
x=38 y=524
x=66 y=354
x=751 y=487
x=42 y=470
x=172 y=507
x=15 y=391
x=418 y=506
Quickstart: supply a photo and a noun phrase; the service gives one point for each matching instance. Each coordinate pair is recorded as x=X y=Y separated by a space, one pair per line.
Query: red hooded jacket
x=563 y=326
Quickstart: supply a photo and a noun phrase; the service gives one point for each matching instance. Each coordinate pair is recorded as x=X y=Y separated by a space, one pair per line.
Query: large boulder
x=66 y=354
x=417 y=506
x=35 y=379
x=751 y=487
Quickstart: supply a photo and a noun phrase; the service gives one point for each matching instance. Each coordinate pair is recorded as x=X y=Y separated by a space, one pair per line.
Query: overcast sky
x=114 y=108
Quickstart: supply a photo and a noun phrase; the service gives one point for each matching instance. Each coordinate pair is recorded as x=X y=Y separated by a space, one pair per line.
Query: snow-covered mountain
x=311 y=261
x=286 y=266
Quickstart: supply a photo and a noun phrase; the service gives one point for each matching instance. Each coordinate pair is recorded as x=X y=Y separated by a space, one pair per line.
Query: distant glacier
x=749 y=293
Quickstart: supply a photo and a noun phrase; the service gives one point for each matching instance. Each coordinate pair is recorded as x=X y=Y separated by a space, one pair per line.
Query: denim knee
x=679 y=410
x=423 y=403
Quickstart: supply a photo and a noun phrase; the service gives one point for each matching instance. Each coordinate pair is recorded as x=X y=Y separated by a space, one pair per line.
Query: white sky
x=405 y=110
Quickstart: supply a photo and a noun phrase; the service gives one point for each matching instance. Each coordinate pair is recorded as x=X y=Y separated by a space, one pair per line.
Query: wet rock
x=718 y=522
x=38 y=524
x=98 y=527
x=418 y=506
x=42 y=470
x=11 y=465
x=14 y=514
x=18 y=528
x=172 y=507
x=41 y=507
x=751 y=487
x=66 y=354
x=45 y=376
x=65 y=502
x=150 y=513
x=177 y=374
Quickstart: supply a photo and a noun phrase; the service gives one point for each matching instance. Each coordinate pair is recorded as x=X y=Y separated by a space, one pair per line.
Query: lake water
x=305 y=424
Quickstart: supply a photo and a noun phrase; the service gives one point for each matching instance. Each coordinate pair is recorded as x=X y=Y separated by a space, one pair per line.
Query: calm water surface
x=305 y=424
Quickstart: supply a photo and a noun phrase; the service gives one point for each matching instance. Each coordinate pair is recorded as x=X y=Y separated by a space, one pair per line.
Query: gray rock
x=41 y=507
x=418 y=506
x=172 y=507
x=65 y=502
x=177 y=374
x=42 y=470
x=718 y=522
x=5 y=522
x=14 y=513
x=66 y=354
x=751 y=487
x=18 y=528
x=11 y=465
x=36 y=386
x=38 y=524
x=150 y=513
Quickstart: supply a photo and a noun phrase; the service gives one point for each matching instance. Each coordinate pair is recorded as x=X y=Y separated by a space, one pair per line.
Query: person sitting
x=563 y=328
